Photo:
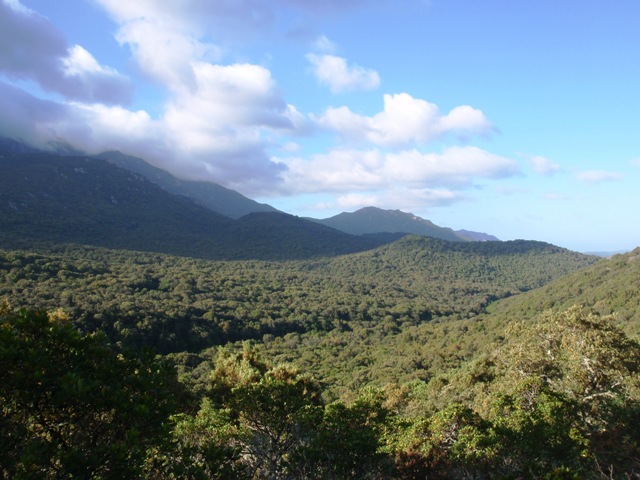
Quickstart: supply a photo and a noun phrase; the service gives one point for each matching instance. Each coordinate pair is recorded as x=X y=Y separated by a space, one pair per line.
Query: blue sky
x=515 y=118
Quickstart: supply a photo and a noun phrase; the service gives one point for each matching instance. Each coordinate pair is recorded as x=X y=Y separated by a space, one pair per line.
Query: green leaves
x=71 y=406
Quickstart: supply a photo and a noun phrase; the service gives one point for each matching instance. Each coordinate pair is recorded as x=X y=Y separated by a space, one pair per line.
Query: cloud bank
x=405 y=121
x=226 y=119
x=31 y=48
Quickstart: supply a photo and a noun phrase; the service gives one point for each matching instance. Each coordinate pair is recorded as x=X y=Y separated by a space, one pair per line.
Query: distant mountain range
x=370 y=220
x=119 y=201
x=60 y=199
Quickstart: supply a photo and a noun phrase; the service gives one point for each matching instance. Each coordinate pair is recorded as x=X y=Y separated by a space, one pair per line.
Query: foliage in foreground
x=70 y=406
x=560 y=399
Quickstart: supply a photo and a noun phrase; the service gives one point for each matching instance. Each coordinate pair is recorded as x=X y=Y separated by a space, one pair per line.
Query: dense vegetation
x=375 y=220
x=179 y=304
x=552 y=401
x=610 y=287
x=380 y=364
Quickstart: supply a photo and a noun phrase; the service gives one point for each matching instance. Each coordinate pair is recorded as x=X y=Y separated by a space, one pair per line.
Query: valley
x=263 y=345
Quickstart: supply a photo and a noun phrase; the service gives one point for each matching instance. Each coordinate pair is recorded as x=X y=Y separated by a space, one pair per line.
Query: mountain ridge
x=85 y=200
x=373 y=223
x=208 y=194
x=372 y=220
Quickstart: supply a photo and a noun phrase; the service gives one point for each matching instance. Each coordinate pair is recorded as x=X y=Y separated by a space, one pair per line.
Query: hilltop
x=370 y=220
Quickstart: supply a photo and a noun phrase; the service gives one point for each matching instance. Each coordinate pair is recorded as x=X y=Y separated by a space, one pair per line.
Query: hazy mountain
x=9 y=145
x=52 y=198
x=370 y=220
x=211 y=195
x=476 y=236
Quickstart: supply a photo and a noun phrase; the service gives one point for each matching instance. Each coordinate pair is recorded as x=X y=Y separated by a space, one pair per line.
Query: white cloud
x=334 y=72
x=406 y=199
x=354 y=201
x=404 y=121
x=32 y=48
x=222 y=16
x=362 y=170
x=599 y=176
x=324 y=45
x=402 y=198
x=219 y=120
x=544 y=166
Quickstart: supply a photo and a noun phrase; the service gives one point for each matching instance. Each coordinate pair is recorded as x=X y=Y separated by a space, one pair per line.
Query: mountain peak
x=369 y=220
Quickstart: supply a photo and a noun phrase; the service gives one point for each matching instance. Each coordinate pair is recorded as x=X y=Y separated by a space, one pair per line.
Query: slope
x=375 y=220
x=610 y=286
x=169 y=302
x=211 y=195
x=78 y=199
x=52 y=198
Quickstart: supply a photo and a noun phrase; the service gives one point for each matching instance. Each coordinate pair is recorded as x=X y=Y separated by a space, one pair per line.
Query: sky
x=511 y=117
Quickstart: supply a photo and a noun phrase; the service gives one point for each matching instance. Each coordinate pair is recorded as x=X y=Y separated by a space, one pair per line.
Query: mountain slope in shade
x=281 y=236
x=74 y=199
x=84 y=200
x=211 y=195
x=370 y=220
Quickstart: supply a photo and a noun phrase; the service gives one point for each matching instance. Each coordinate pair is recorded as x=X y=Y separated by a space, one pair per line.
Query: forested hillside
x=609 y=287
x=176 y=304
x=379 y=364
x=211 y=195
x=376 y=220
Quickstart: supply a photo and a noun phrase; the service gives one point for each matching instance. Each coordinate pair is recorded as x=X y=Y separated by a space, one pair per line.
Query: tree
x=576 y=371
x=559 y=399
x=71 y=407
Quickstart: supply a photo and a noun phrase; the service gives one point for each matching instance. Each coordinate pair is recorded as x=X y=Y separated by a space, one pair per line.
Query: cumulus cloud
x=404 y=121
x=599 y=176
x=27 y=118
x=225 y=17
x=544 y=166
x=339 y=76
x=361 y=170
x=220 y=118
x=406 y=199
x=323 y=44
x=32 y=48
x=215 y=123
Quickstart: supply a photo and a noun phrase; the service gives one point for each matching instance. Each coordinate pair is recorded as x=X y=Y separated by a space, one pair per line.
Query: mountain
x=371 y=220
x=476 y=236
x=281 y=236
x=211 y=195
x=9 y=145
x=612 y=285
x=83 y=200
x=75 y=199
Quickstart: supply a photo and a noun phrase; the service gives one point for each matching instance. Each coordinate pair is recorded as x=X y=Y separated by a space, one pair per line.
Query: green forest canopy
x=313 y=369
